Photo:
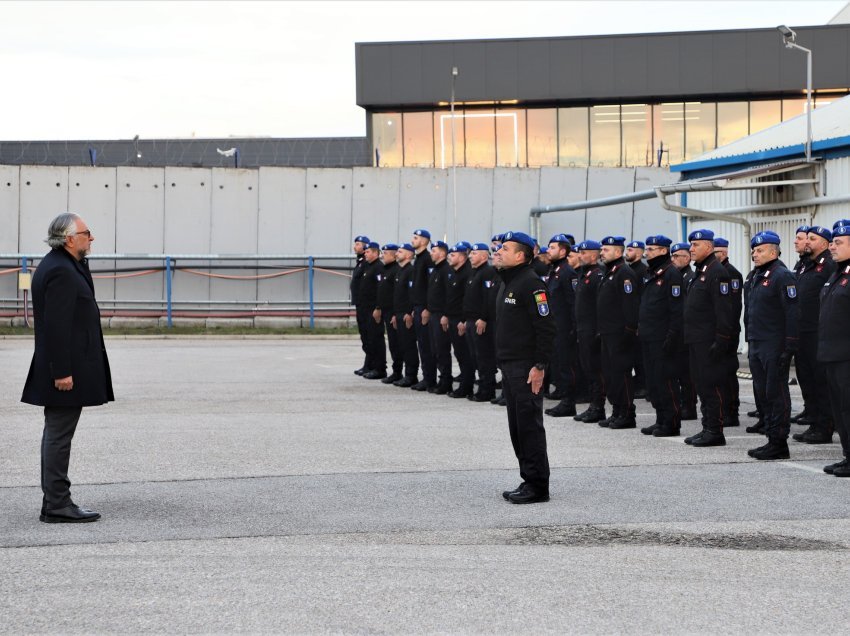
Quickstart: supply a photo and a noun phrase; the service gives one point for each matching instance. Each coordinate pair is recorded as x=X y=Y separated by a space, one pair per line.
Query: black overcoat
x=68 y=337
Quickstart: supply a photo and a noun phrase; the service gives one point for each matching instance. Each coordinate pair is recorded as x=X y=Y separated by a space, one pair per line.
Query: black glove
x=627 y=342
x=596 y=345
x=670 y=345
x=716 y=351
x=785 y=360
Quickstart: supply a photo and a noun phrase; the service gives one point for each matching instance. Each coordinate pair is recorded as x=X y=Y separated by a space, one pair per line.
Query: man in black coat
x=386 y=293
x=681 y=257
x=360 y=243
x=368 y=310
x=736 y=291
x=590 y=278
x=69 y=368
x=402 y=321
x=561 y=283
x=478 y=302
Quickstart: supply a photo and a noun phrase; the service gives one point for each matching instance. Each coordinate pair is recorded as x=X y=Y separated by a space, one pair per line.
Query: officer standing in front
x=376 y=351
x=834 y=342
x=360 y=243
x=617 y=306
x=770 y=317
x=815 y=270
x=525 y=332
x=709 y=318
x=660 y=329
x=561 y=283
x=736 y=291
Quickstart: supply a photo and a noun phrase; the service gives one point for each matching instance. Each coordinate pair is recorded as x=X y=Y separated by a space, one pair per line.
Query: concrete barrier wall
x=301 y=211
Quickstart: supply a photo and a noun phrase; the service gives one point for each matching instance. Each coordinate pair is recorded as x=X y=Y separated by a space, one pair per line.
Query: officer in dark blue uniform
x=660 y=329
x=736 y=290
x=403 y=315
x=617 y=306
x=386 y=312
x=457 y=279
x=681 y=256
x=478 y=302
x=422 y=266
x=525 y=332
x=834 y=342
x=801 y=244
x=589 y=279
x=709 y=317
x=376 y=352
x=360 y=243
x=634 y=255
x=770 y=316
x=813 y=271
x=561 y=283
x=441 y=346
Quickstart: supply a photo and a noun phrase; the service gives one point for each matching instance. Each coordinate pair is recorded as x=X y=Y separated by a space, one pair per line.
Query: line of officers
x=621 y=321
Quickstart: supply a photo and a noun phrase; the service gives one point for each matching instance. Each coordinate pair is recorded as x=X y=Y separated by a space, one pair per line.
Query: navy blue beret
x=459 y=247
x=372 y=245
x=589 y=246
x=676 y=247
x=841 y=230
x=765 y=238
x=422 y=232
x=480 y=247
x=660 y=240
x=839 y=223
x=571 y=239
x=390 y=246
x=362 y=239
x=614 y=240
x=406 y=246
x=638 y=244
x=804 y=228
x=720 y=242
x=701 y=235
x=519 y=237
x=560 y=238
x=821 y=232
x=441 y=244
x=466 y=244
x=543 y=249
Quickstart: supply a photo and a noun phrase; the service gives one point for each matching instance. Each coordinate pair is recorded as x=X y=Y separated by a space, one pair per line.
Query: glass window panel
x=480 y=136
x=792 y=108
x=732 y=122
x=386 y=140
x=419 y=140
x=443 y=138
x=668 y=125
x=542 y=136
x=637 y=134
x=605 y=136
x=764 y=115
x=700 y=128
x=510 y=138
x=573 y=137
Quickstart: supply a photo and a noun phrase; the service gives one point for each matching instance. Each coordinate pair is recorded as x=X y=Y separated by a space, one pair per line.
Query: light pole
x=789 y=37
x=454 y=163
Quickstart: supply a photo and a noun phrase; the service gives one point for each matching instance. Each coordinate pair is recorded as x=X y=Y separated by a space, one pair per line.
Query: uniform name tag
x=510 y=301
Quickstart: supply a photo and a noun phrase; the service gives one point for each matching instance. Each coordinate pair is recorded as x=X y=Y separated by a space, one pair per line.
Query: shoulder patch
x=627 y=286
x=542 y=303
x=574 y=281
x=736 y=284
x=724 y=289
x=676 y=290
x=791 y=290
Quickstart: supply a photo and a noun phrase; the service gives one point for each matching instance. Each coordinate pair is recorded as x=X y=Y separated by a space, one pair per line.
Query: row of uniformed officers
x=676 y=326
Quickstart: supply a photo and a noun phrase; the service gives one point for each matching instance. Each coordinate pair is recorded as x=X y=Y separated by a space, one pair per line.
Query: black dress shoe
x=622 y=422
x=795 y=419
x=528 y=495
x=361 y=371
x=692 y=438
x=405 y=382
x=607 y=421
x=758 y=427
x=829 y=470
x=459 y=393
x=649 y=430
x=752 y=452
x=592 y=415
x=518 y=489
x=688 y=414
x=391 y=379
x=69 y=514
x=420 y=386
x=375 y=374
x=754 y=414
x=841 y=471
x=563 y=409
x=440 y=389
x=483 y=397
x=814 y=436
x=666 y=430
x=774 y=449
x=709 y=438
x=502 y=401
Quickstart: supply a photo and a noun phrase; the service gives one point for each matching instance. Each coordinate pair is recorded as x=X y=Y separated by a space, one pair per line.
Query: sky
x=113 y=70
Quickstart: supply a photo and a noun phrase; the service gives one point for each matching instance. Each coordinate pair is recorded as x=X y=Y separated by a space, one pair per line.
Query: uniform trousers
x=482 y=351
x=734 y=387
x=525 y=423
x=60 y=422
x=838 y=379
x=407 y=347
x=377 y=349
x=618 y=355
x=591 y=364
x=711 y=380
x=813 y=384
x=392 y=342
x=687 y=388
x=564 y=374
x=770 y=384
x=662 y=382
x=423 y=341
x=441 y=348
x=363 y=315
x=460 y=346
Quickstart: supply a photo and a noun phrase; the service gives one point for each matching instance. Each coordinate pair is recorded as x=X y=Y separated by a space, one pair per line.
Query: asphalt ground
x=259 y=486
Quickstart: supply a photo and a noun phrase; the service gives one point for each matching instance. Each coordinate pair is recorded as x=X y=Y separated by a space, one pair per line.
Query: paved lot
x=259 y=486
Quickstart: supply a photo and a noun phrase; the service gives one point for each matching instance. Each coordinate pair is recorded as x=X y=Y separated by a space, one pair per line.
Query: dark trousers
x=662 y=382
x=770 y=383
x=407 y=347
x=734 y=386
x=376 y=349
x=687 y=388
x=641 y=377
x=423 y=341
x=591 y=364
x=60 y=422
x=483 y=353
x=525 y=423
x=712 y=385
x=460 y=345
x=392 y=342
x=441 y=348
x=838 y=379
x=813 y=383
x=618 y=356
x=363 y=316
x=565 y=377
